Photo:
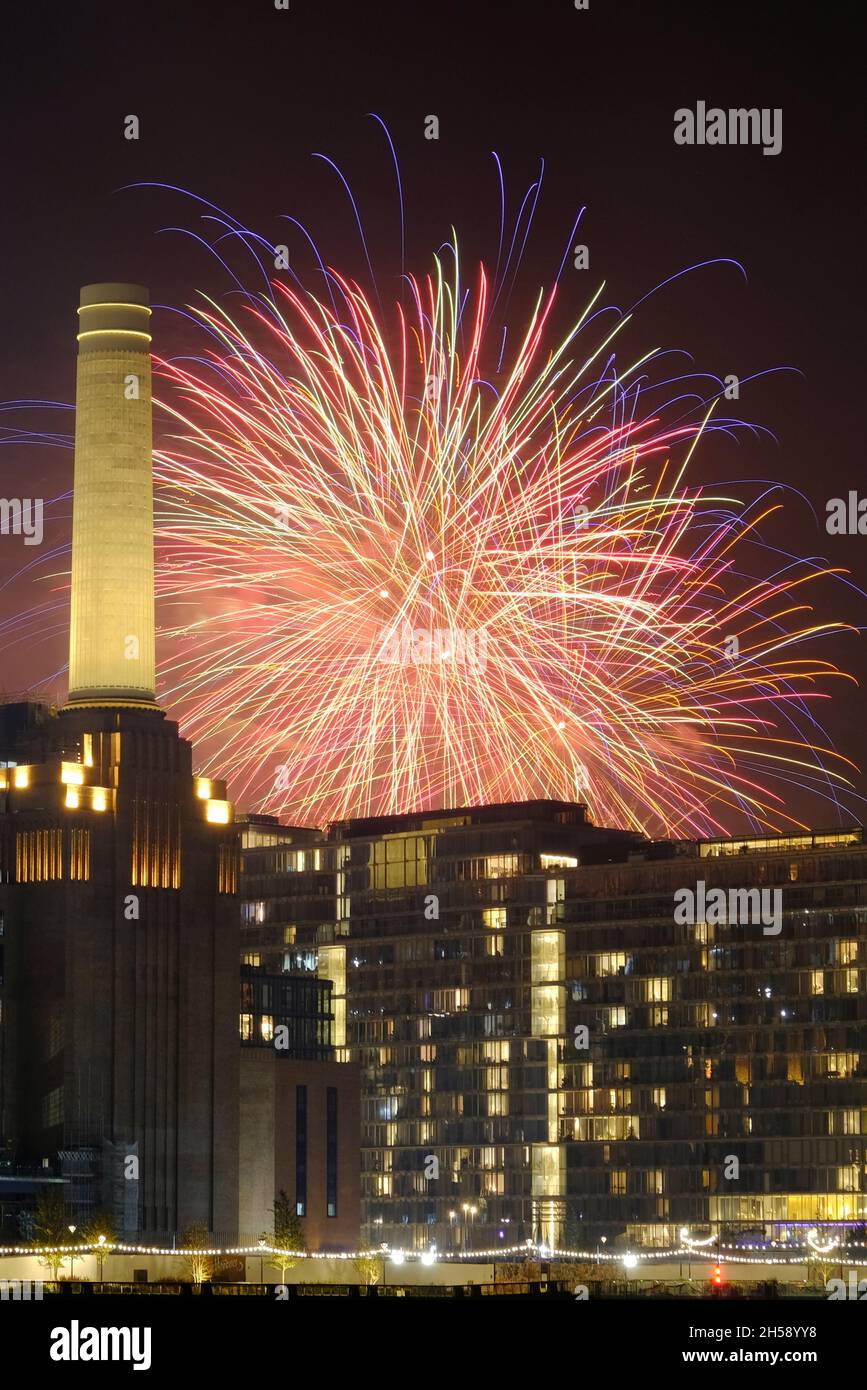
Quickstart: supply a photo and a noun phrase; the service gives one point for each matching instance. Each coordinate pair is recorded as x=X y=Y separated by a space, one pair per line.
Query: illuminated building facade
x=469 y=949
x=118 y=868
x=300 y=1094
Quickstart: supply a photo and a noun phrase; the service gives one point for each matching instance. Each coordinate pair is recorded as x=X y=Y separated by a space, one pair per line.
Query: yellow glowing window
x=21 y=777
x=611 y=963
x=266 y=1027
x=203 y=788
x=496 y=1078
x=842 y=1063
x=99 y=802
x=72 y=774
x=818 y=982
x=72 y=796
x=847 y=952
x=219 y=812
x=501 y=865
x=656 y=990
x=87 y=750
x=245 y=1026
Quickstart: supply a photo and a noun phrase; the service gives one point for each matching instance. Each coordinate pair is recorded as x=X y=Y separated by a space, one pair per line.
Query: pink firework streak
x=395 y=584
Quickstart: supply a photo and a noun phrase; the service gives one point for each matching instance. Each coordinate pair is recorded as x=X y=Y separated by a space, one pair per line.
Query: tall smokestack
x=111 y=640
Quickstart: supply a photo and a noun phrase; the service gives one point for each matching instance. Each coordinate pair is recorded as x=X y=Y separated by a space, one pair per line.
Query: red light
x=718 y=1275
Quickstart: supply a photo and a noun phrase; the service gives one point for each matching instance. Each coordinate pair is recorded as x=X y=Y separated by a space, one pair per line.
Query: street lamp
x=261 y=1261
x=100 y=1255
x=71 y=1230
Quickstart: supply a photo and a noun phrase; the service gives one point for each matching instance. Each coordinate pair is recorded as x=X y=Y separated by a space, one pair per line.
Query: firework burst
x=398 y=579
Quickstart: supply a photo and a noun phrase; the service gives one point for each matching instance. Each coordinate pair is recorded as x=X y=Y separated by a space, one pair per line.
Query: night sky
x=233 y=98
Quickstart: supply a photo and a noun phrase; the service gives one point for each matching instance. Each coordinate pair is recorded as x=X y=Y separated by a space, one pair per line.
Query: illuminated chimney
x=111 y=640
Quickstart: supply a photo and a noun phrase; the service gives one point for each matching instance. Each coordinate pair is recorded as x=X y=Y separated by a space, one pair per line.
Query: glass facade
x=290 y=1013
x=561 y=1034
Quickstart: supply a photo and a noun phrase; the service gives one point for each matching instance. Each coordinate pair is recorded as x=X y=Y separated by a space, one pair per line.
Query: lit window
x=21 y=777
x=501 y=865
x=72 y=797
x=219 y=812
x=72 y=774
x=611 y=963
x=246 y=1027
x=494 y=917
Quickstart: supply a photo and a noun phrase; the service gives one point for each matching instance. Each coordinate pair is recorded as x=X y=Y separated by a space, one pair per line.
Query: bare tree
x=50 y=1229
x=287 y=1237
x=194 y=1243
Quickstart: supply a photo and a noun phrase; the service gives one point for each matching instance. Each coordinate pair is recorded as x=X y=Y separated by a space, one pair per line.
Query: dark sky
x=234 y=97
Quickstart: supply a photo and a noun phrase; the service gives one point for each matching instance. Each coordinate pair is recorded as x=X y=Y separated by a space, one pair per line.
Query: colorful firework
x=407 y=570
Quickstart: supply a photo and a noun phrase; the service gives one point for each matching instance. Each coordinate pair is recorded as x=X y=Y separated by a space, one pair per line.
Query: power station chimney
x=111 y=639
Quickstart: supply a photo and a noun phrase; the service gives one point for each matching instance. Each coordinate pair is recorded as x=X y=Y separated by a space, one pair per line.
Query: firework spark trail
x=330 y=480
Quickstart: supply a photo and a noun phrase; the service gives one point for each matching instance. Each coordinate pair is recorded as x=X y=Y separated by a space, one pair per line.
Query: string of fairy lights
x=691 y=1248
